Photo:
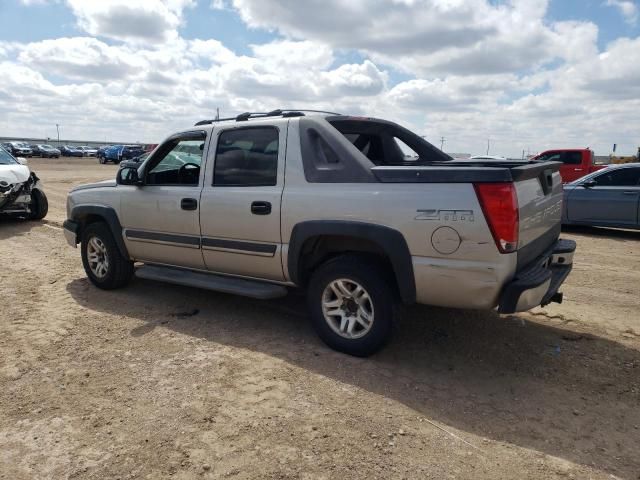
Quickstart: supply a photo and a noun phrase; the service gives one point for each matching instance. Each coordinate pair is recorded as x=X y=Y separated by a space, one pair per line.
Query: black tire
x=39 y=205
x=376 y=282
x=119 y=270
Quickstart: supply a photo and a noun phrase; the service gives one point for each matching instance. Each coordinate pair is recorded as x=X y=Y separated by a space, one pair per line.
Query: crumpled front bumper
x=538 y=284
x=11 y=203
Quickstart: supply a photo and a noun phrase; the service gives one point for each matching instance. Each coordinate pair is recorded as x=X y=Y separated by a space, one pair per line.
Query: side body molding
x=80 y=213
x=390 y=241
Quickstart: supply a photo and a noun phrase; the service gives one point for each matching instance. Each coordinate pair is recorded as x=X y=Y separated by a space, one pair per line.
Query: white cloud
x=470 y=70
x=142 y=21
x=628 y=9
x=80 y=58
x=427 y=37
x=353 y=80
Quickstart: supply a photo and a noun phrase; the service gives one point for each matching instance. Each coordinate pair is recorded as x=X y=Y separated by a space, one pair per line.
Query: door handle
x=577 y=169
x=261 y=208
x=188 y=204
x=630 y=193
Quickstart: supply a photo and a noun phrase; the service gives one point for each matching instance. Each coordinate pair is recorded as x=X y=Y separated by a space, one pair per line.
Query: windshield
x=6 y=159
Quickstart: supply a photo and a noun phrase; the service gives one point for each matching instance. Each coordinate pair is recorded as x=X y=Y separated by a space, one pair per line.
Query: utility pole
x=217 y=113
x=442 y=143
x=488 y=146
x=58 y=130
x=523 y=154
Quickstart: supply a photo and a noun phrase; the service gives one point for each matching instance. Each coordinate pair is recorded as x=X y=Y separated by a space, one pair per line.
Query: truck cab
x=576 y=162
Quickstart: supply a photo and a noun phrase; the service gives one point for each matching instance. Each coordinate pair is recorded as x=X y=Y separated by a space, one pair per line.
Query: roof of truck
x=282 y=113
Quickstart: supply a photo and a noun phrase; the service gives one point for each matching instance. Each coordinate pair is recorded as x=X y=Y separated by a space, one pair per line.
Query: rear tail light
x=499 y=203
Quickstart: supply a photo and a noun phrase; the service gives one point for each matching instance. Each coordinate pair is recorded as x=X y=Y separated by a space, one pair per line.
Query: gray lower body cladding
x=538 y=284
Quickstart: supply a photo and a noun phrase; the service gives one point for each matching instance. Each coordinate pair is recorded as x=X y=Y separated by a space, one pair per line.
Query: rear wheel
x=39 y=206
x=103 y=263
x=353 y=306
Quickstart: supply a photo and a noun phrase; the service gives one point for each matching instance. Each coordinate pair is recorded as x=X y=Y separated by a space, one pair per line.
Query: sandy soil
x=156 y=381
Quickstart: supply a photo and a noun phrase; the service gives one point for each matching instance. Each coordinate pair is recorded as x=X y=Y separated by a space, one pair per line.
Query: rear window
x=572 y=158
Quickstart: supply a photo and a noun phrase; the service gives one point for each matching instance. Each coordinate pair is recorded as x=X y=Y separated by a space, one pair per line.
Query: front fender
x=81 y=213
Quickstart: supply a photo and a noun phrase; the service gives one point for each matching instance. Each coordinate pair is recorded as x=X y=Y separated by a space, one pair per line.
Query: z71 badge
x=445 y=215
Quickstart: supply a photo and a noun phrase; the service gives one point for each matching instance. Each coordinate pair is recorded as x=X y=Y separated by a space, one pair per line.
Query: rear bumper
x=70 y=229
x=538 y=284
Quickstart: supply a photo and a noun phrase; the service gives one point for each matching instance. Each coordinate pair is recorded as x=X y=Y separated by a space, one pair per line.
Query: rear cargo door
x=540 y=211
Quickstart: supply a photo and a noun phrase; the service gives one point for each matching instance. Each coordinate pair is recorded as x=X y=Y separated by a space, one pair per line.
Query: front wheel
x=103 y=263
x=39 y=206
x=353 y=306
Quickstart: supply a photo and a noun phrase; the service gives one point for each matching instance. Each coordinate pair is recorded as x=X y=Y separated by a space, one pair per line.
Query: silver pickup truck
x=361 y=213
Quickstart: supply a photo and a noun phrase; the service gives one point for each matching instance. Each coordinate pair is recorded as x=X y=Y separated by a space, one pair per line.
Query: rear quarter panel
x=470 y=275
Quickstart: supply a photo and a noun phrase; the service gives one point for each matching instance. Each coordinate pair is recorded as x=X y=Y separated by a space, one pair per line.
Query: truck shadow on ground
x=531 y=384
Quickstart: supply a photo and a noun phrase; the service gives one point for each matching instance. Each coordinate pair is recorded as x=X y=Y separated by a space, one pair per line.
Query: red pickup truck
x=576 y=162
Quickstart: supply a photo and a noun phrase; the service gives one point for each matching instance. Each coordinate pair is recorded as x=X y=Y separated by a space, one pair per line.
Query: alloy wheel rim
x=347 y=308
x=97 y=257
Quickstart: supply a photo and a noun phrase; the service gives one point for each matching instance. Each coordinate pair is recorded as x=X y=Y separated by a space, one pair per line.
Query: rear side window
x=247 y=157
x=623 y=177
x=572 y=158
x=386 y=143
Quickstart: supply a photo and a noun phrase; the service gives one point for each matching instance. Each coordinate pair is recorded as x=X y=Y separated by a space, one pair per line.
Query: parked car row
x=18 y=149
x=118 y=153
x=23 y=149
x=79 y=151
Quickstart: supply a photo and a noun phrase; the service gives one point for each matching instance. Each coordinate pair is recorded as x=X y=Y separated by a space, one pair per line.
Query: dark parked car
x=100 y=152
x=18 y=149
x=135 y=162
x=45 y=151
x=71 y=151
x=607 y=198
x=118 y=153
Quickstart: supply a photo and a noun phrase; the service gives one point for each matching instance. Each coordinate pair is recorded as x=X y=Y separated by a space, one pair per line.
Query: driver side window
x=179 y=163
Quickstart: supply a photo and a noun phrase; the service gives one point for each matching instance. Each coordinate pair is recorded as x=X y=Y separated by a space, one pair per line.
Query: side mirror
x=128 y=176
x=589 y=184
x=22 y=160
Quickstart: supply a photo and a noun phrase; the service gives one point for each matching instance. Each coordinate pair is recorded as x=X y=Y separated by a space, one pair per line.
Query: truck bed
x=464 y=171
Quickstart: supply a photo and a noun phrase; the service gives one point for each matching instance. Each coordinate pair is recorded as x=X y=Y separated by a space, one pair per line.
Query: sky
x=511 y=75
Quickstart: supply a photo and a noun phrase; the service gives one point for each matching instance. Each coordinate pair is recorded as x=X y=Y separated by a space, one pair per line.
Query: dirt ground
x=157 y=381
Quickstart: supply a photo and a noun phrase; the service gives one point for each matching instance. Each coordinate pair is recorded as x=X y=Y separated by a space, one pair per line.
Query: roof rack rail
x=243 y=117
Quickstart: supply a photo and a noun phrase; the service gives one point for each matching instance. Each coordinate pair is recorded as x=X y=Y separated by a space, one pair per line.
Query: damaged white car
x=21 y=193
